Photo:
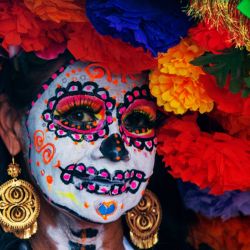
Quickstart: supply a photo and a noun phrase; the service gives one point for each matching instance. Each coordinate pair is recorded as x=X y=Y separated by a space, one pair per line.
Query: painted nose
x=113 y=148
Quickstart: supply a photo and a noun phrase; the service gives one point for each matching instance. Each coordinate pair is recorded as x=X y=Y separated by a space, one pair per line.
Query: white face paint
x=91 y=141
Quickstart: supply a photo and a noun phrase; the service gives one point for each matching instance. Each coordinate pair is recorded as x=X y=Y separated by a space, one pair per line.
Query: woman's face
x=89 y=141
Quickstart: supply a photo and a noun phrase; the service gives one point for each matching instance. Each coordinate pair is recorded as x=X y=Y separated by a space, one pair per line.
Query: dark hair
x=20 y=81
x=22 y=76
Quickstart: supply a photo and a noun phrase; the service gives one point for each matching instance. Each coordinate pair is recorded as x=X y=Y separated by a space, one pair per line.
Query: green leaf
x=247 y=81
x=235 y=87
x=245 y=93
x=232 y=62
x=244 y=7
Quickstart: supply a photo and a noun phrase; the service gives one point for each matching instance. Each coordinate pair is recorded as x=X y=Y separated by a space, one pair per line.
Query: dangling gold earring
x=144 y=221
x=19 y=205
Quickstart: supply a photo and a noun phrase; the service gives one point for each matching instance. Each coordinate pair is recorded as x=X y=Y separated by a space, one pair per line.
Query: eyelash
x=67 y=103
x=90 y=107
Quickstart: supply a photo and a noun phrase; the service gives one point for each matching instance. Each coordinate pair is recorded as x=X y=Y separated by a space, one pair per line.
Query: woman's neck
x=58 y=231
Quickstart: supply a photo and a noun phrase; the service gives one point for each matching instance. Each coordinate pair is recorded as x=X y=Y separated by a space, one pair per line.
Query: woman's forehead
x=116 y=84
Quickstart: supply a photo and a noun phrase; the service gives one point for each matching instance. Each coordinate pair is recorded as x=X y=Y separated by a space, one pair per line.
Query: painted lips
x=102 y=182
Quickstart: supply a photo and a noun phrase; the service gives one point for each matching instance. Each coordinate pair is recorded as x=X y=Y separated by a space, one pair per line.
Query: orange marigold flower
x=58 y=11
x=176 y=84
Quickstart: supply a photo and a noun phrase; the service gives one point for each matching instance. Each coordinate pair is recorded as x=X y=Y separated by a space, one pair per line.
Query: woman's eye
x=80 y=113
x=138 y=122
x=80 y=116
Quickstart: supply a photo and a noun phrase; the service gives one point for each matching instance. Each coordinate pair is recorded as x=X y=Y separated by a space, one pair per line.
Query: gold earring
x=144 y=221
x=19 y=205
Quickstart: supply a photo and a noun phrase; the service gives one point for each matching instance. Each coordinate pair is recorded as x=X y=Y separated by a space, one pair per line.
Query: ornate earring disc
x=144 y=221
x=19 y=208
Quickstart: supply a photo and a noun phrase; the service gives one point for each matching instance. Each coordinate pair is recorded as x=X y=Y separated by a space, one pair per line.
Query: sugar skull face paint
x=96 y=129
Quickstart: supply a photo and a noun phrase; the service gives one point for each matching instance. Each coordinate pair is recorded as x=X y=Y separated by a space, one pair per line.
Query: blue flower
x=155 y=25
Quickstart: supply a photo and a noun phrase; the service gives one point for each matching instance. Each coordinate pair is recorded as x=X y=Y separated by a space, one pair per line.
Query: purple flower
x=226 y=206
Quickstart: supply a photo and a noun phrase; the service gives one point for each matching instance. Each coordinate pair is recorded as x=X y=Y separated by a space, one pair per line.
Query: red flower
x=210 y=38
x=226 y=101
x=237 y=125
x=86 y=44
x=216 y=161
x=18 y=26
x=58 y=11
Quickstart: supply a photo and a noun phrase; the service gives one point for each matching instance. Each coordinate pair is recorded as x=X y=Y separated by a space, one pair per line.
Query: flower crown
x=198 y=66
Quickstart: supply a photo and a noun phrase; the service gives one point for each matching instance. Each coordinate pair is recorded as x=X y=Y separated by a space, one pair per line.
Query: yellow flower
x=176 y=84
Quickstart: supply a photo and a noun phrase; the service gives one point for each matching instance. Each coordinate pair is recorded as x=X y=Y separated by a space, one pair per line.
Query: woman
x=88 y=143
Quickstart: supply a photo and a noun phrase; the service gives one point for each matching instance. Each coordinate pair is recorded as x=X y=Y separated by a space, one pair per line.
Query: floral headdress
x=198 y=54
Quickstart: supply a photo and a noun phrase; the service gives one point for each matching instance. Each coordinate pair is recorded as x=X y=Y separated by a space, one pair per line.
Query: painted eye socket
x=139 y=119
x=80 y=113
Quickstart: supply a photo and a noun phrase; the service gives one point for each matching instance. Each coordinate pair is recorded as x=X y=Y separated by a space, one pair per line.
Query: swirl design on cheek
x=80 y=111
x=47 y=150
x=137 y=118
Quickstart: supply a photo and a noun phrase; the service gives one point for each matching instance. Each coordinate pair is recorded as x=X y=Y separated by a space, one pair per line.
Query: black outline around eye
x=138 y=141
x=62 y=117
x=88 y=89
